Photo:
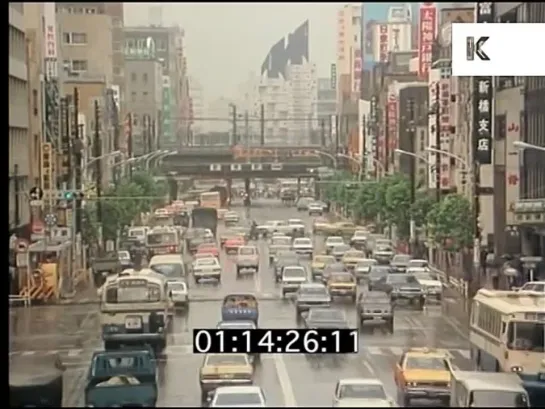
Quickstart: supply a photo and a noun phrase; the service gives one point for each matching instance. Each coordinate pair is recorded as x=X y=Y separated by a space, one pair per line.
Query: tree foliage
x=450 y=222
x=118 y=209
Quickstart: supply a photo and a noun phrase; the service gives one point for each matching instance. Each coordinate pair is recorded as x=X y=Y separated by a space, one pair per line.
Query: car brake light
x=172 y=248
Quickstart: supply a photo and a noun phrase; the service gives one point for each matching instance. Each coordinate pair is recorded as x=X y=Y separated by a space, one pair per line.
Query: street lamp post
x=152 y=156
x=526 y=145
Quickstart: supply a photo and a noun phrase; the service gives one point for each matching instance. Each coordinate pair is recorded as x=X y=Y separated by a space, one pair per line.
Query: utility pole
x=17 y=204
x=76 y=148
x=363 y=149
x=153 y=144
x=98 y=169
x=437 y=109
x=386 y=144
x=145 y=135
x=322 y=132
x=412 y=171
x=234 y=124
x=246 y=129
x=150 y=135
x=262 y=125
x=129 y=143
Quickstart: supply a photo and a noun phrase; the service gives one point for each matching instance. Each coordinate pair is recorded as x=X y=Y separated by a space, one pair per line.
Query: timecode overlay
x=276 y=341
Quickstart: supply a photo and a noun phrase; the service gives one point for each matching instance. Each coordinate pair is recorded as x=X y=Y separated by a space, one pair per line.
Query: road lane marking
x=369 y=368
x=396 y=350
x=74 y=352
x=284 y=380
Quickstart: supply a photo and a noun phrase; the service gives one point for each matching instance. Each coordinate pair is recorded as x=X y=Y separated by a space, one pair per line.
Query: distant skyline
x=224 y=42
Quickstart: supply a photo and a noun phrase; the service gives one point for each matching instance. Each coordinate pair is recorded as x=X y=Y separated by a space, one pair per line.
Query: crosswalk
x=183 y=350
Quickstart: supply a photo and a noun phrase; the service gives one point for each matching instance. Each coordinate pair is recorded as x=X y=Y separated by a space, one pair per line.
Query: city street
x=73 y=332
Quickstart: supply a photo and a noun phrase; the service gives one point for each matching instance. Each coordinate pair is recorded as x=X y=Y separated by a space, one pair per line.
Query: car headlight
x=411 y=384
x=516 y=369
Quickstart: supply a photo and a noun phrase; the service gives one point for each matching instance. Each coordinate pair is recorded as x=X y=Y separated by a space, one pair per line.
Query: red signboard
x=427 y=26
x=383 y=42
x=392 y=122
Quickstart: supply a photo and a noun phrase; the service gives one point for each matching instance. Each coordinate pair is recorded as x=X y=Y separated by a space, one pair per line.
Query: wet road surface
x=73 y=332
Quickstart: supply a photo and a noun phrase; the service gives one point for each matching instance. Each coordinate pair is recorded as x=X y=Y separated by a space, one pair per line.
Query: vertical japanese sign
x=392 y=122
x=371 y=138
x=383 y=42
x=427 y=26
x=482 y=99
x=433 y=98
x=51 y=85
x=333 y=76
x=445 y=136
x=357 y=71
x=167 y=135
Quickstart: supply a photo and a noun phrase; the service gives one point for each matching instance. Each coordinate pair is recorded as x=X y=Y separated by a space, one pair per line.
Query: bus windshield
x=132 y=290
x=163 y=220
x=526 y=336
x=162 y=239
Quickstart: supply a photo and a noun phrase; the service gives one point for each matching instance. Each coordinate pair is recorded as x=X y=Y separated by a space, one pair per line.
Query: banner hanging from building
x=427 y=31
x=444 y=128
x=392 y=122
x=383 y=42
x=483 y=99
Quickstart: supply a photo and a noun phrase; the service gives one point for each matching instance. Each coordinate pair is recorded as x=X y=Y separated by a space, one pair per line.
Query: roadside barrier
x=458 y=285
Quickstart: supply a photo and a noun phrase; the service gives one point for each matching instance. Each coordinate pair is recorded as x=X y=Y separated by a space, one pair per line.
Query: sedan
x=361 y=392
x=331 y=242
x=238 y=397
x=339 y=251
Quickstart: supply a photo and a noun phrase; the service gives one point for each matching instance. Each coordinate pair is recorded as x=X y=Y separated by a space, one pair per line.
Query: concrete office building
x=349 y=52
x=326 y=105
x=144 y=87
x=168 y=44
x=197 y=104
x=394 y=34
x=19 y=155
x=288 y=91
x=520 y=173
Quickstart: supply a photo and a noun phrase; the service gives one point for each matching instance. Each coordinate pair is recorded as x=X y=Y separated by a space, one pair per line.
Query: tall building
x=144 y=87
x=19 y=138
x=327 y=101
x=349 y=52
x=169 y=47
x=115 y=32
x=391 y=35
x=218 y=113
x=288 y=90
x=197 y=103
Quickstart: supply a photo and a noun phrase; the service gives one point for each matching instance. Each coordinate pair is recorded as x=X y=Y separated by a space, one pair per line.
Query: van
x=169 y=265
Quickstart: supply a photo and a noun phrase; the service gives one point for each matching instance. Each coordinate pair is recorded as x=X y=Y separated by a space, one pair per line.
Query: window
x=66 y=38
x=79 y=65
x=79 y=38
x=90 y=11
x=117 y=22
x=141 y=44
x=145 y=95
x=116 y=46
x=133 y=96
x=133 y=76
x=130 y=43
x=161 y=45
x=135 y=119
x=145 y=78
x=35 y=102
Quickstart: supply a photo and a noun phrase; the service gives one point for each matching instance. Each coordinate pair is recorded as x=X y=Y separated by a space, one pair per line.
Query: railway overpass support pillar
x=229 y=183
x=298 y=186
x=247 y=186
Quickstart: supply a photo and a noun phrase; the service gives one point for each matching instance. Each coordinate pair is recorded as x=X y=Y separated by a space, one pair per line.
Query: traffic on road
x=176 y=305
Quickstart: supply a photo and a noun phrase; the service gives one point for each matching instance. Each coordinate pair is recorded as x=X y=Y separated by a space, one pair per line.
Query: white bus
x=134 y=309
x=507 y=330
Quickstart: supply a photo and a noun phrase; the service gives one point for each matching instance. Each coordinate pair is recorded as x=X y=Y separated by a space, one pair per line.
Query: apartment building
x=168 y=43
x=326 y=101
x=288 y=91
x=115 y=12
x=144 y=87
x=20 y=172
x=197 y=104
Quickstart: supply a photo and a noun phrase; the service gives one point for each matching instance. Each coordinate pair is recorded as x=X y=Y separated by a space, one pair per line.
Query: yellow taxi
x=319 y=263
x=342 y=284
x=320 y=224
x=423 y=373
x=341 y=228
x=351 y=258
x=224 y=370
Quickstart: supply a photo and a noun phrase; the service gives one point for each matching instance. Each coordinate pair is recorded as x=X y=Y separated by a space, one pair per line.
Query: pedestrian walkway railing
x=459 y=285
x=20 y=299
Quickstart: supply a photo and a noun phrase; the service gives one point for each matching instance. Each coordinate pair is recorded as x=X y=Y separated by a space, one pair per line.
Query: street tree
x=450 y=223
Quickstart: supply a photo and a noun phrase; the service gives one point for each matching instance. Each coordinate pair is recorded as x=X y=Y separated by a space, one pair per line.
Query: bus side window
x=111 y=295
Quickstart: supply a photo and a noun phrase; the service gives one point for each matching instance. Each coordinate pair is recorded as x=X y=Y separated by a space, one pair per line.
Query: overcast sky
x=224 y=42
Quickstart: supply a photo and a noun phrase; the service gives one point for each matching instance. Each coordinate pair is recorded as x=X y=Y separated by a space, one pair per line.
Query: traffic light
x=69 y=195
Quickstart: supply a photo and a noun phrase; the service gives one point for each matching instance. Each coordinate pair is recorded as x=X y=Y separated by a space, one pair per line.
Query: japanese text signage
x=482 y=101
x=50 y=41
x=357 y=70
x=444 y=129
x=383 y=42
x=426 y=37
x=392 y=123
x=333 y=76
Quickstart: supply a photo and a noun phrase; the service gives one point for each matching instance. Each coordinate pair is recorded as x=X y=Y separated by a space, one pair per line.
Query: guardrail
x=19 y=299
x=458 y=285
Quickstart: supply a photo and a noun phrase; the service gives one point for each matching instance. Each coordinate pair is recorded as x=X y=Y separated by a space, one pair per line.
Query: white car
x=417 y=262
x=333 y=241
x=303 y=245
x=231 y=217
x=268 y=228
x=236 y=325
x=297 y=225
x=363 y=267
x=538 y=286
x=292 y=278
x=429 y=282
x=207 y=268
x=238 y=397
x=359 y=237
x=315 y=208
x=178 y=293
x=362 y=393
